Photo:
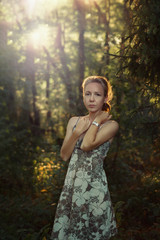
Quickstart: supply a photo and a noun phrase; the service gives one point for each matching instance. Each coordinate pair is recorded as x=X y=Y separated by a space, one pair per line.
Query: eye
x=87 y=94
x=97 y=94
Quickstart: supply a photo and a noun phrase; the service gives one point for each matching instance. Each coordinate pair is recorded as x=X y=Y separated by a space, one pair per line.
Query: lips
x=91 y=106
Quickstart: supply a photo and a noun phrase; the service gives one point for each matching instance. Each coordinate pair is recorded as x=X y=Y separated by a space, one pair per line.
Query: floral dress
x=84 y=211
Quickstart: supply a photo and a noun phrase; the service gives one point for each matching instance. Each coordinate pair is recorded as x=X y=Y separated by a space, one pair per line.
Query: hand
x=83 y=125
x=103 y=117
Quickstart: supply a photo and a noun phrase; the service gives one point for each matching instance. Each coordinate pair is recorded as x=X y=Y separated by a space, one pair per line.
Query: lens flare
x=39 y=37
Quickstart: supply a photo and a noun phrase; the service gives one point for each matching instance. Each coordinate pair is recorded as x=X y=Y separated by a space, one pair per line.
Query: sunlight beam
x=30 y=6
x=36 y=8
x=39 y=37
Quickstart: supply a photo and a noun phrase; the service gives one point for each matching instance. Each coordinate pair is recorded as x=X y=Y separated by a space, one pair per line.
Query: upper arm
x=105 y=133
x=69 y=129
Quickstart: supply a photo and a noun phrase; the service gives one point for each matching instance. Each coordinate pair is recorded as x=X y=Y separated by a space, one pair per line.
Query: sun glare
x=40 y=36
x=36 y=8
x=30 y=5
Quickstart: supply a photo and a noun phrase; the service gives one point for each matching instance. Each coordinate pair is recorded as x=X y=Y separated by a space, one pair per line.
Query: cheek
x=84 y=100
x=101 y=102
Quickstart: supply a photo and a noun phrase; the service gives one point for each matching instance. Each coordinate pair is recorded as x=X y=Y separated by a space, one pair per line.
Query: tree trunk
x=104 y=18
x=80 y=4
x=107 y=29
x=3 y=34
x=66 y=75
x=30 y=80
x=48 y=116
x=7 y=70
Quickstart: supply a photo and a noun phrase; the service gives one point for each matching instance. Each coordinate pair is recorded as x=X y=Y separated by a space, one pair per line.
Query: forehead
x=94 y=87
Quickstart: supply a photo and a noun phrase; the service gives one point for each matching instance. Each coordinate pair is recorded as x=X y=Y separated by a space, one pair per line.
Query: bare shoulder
x=72 y=121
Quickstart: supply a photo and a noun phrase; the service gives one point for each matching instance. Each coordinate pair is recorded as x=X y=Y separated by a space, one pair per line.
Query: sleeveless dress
x=84 y=211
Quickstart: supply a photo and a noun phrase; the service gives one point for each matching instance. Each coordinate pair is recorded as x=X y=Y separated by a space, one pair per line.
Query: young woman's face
x=94 y=97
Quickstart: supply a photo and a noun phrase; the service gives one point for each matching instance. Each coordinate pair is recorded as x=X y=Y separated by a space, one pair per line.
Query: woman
x=84 y=211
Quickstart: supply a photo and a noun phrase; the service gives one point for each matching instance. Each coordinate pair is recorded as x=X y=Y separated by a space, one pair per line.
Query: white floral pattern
x=84 y=211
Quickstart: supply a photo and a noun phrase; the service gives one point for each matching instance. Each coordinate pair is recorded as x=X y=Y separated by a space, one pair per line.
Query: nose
x=91 y=97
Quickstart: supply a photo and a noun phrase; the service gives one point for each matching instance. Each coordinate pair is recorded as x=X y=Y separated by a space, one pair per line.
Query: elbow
x=63 y=156
x=85 y=148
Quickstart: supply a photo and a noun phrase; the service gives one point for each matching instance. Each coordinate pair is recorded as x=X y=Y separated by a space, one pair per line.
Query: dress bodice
x=101 y=150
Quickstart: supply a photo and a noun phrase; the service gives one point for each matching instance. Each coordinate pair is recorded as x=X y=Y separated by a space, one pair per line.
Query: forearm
x=95 y=136
x=89 y=138
x=68 y=146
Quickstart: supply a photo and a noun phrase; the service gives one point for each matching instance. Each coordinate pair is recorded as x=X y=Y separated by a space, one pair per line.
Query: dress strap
x=75 y=124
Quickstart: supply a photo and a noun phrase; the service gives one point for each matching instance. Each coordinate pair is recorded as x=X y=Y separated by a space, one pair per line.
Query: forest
x=47 y=48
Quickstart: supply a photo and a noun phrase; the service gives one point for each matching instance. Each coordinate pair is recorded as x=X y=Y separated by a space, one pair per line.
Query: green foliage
x=143 y=42
x=25 y=217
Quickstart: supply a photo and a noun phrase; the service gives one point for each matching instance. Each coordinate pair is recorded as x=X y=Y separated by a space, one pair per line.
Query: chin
x=93 y=110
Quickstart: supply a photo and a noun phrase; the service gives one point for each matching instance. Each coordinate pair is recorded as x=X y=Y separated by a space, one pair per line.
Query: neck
x=93 y=115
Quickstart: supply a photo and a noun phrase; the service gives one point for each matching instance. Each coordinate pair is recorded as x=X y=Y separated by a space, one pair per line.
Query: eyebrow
x=94 y=92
